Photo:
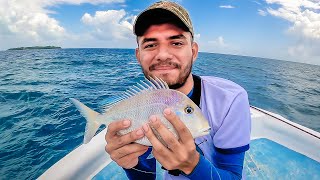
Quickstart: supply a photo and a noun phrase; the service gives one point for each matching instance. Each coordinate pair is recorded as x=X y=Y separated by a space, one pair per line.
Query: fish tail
x=91 y=116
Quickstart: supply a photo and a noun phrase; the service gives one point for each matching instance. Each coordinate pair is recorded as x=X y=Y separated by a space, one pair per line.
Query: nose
x=163 y=54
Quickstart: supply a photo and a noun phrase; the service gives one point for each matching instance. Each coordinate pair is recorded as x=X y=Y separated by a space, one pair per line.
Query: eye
x=149 y=46
x=177 y=43
x=188 y=110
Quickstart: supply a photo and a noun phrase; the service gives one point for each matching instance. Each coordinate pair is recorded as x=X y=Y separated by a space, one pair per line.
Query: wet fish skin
x=139 y=104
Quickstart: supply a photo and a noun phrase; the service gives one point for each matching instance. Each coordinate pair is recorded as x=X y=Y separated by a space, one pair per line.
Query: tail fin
x=91 y=116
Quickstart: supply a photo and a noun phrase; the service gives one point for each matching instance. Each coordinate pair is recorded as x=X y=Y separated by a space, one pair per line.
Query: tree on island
x=35 y=47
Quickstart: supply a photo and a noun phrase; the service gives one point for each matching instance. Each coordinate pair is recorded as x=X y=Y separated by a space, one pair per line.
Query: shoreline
x=34 y=47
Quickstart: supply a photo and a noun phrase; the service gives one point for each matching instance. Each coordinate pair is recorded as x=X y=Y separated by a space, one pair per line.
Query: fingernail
x=139 y=132
x=167 y=111
x=126 y=123
x=153 y=119
x=145 y=127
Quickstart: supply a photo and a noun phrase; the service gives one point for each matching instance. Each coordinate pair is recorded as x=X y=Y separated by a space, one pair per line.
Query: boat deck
x=266 y=159
x=279 y=149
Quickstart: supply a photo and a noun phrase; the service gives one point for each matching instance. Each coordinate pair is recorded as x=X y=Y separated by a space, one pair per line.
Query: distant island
x=35 y=47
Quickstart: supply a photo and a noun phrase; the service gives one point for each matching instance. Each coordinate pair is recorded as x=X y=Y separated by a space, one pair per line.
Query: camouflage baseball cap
x=162 y=12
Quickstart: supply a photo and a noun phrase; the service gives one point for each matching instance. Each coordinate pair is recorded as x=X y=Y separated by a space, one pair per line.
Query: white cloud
x=256 y=2
x=197 y=37
x=262 y=12
x=219 y=42
x=217 y=45
x=22 y=20
x=304 y=16
x=220 y=45
x=77 y=2
x=111 y=24
x=305 y=22
x=227 y=6
x=306 y=50
x=27 y=23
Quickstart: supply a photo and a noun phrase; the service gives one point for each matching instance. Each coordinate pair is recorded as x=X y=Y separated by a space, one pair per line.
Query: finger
x=116 y=126
x=130 y=160
x=120 y=141
x=157 y=145
x=164 y=160
x=126 y=150
x=167 y=136
x=184 y=133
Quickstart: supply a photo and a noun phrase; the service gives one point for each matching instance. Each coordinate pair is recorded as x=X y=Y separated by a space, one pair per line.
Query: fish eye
x=188 y=110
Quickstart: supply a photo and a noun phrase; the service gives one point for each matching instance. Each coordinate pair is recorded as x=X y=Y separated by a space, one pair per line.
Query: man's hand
x=121 y=149
x=180 y=154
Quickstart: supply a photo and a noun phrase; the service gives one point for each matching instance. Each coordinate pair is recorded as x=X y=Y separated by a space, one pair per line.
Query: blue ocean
x=39 y=125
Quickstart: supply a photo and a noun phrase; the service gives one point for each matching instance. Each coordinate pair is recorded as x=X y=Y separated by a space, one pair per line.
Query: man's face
x=167 y=52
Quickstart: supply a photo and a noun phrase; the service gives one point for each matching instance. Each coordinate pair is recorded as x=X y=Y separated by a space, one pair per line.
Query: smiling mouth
x=164 y=66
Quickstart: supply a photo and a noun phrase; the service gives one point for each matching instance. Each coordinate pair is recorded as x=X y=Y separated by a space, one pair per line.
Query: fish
x=138 y=103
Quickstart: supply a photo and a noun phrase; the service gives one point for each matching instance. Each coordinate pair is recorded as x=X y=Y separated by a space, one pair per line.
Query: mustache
x=165 y=63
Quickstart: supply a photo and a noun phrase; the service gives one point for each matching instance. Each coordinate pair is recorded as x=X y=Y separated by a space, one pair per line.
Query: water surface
x=39 y=125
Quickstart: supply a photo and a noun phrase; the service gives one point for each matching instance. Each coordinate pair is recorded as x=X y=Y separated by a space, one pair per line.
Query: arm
x=121 y=149
x=145 y=168
x=231 y=140
x=178 y=154
x=229 y=166
x=181 y=154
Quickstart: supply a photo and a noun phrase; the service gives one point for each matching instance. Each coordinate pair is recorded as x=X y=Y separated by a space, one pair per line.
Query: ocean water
x=39 y=125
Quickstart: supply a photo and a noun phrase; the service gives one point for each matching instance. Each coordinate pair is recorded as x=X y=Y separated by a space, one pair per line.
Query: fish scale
x=138 y=104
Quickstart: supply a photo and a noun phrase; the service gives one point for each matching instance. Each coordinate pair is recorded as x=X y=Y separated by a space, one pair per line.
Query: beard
x=174 y=84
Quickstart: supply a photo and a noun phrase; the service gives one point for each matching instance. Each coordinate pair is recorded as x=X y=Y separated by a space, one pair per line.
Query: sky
x=277 y=29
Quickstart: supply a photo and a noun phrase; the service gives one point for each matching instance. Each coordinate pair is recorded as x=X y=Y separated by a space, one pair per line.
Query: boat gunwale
x=308 y=131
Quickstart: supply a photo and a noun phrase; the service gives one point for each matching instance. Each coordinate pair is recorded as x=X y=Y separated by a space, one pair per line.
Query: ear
x=195 y=50
x=138 y=55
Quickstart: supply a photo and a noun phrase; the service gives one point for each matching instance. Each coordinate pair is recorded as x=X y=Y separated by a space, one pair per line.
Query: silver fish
x=150 y=97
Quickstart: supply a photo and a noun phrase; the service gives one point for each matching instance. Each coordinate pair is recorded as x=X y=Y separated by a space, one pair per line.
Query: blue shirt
x=225 y=105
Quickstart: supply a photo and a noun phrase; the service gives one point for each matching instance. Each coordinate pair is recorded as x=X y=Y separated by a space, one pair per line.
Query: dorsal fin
x=143 y=86
x=112 y=101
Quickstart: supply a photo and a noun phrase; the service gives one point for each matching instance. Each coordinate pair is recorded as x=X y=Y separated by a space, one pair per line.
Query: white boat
x=279 y=149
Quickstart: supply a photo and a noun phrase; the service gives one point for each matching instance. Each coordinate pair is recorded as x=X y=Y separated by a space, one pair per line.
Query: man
x=166 y=49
